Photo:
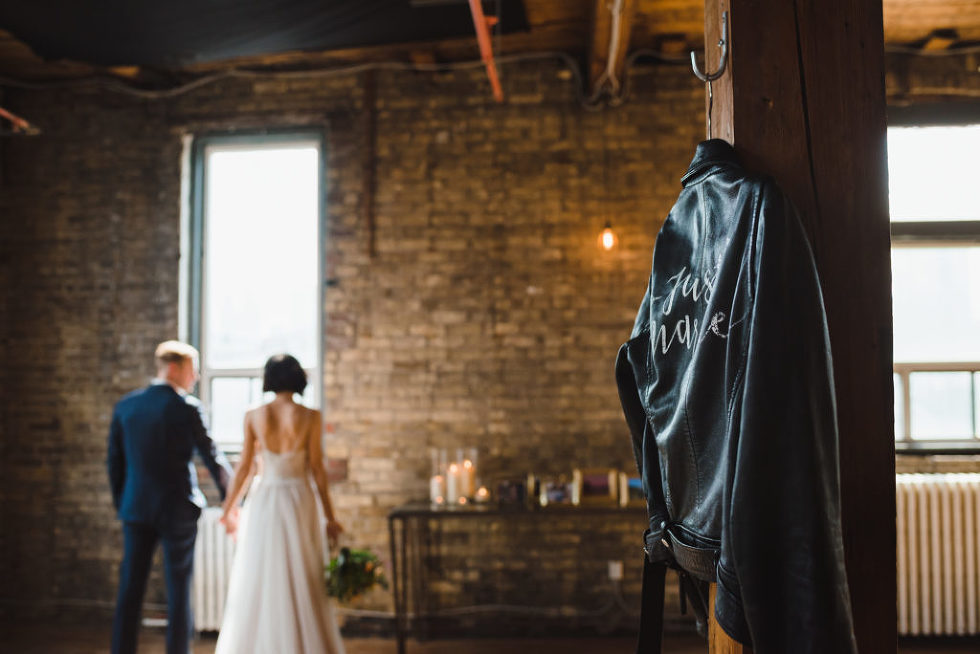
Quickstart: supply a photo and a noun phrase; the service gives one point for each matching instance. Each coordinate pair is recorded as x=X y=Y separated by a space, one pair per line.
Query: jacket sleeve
x=782 y=559
x=214 y=460
x=631 y=364
x=116 y=460
x=631 y=358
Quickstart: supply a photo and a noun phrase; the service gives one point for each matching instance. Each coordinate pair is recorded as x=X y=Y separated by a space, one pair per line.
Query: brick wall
x=89 y=270
x=487 y=316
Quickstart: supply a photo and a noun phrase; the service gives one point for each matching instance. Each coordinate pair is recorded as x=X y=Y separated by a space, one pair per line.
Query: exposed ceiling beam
x=568 y=26
x=612 y=24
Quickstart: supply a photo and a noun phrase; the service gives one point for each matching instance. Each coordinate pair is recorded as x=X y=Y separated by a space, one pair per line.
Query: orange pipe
x=19 y=123
x=482 y=23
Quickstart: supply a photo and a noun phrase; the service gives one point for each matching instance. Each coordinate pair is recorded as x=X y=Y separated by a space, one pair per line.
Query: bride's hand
x=230 y=521
x=334 y=530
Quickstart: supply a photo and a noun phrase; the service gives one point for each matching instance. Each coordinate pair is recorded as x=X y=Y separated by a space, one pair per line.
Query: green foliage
x=352 y=573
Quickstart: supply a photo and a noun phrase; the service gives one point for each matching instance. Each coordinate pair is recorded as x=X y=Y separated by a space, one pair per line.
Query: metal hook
x=710 y=77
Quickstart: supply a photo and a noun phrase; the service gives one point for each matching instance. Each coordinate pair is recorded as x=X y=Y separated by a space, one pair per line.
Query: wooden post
x=803 y=100
x=718 y=641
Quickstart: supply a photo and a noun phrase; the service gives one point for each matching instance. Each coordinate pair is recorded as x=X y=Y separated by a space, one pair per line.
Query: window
x=253 y=286
x=934 y=197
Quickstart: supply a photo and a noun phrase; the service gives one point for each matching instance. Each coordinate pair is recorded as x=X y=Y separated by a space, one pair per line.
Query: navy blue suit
x=152 y=440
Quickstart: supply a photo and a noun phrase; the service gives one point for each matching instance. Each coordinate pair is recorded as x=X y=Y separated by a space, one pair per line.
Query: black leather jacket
x=727 y=387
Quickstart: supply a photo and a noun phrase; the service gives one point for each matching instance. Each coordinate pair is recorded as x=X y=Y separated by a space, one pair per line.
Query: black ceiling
x=172 y=33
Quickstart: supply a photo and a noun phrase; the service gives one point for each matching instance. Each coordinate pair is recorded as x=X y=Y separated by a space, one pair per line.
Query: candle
x=468 y=479
x=437 y=489
x=452 y=483
x=482 y=495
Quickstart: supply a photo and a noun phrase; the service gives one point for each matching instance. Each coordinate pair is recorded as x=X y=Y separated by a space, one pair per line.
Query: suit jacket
x=727 y=386
x=152 y=439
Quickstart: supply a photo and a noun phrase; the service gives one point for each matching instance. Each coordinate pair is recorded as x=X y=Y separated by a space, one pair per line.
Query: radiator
x=212 y=567
x=938 y=554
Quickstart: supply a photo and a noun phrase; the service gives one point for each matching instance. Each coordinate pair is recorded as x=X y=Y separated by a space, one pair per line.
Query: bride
x=277 y=600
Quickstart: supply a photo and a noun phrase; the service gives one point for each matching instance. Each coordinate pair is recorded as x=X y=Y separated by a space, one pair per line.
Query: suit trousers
x=178 y=559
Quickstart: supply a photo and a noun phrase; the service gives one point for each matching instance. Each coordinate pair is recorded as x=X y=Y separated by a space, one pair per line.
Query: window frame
x=934 y=233
x=195 y=246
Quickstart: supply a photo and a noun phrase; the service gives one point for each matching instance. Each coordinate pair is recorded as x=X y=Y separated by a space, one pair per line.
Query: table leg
x=395 y=571
x=421 y=531
x=402 y=541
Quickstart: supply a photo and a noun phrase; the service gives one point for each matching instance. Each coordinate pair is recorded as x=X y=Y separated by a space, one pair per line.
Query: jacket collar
x=709 y=153
x=157 y=382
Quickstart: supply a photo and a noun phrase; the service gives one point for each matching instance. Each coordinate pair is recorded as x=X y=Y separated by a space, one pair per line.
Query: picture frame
x=595 y=486
x=512 y=493
x=631 y=490
x=556 y=492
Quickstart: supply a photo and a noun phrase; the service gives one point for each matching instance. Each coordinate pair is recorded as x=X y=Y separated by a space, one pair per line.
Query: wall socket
x=615 y=570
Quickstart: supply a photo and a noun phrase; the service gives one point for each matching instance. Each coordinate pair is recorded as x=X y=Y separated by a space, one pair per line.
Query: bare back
x=282 y=426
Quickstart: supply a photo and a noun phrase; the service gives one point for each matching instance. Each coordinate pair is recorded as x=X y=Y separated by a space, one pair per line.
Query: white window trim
x=932 y=234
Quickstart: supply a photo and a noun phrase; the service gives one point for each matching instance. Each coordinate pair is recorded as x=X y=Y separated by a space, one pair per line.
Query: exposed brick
x=488 y=317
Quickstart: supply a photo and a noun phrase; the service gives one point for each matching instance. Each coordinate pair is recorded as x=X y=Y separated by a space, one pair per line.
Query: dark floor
x=45 y=639
x=41 y=638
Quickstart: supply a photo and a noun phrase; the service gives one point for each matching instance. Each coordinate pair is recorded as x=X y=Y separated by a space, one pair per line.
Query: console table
x=405 y=542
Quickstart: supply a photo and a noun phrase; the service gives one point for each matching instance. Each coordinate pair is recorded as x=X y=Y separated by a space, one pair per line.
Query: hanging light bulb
x=607 y=238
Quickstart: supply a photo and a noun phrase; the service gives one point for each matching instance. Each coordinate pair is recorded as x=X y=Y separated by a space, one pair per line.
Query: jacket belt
x=700 y=562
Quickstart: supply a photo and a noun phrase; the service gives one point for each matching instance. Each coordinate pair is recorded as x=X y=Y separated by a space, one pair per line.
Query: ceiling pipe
x=20 y=126
x=482 y=24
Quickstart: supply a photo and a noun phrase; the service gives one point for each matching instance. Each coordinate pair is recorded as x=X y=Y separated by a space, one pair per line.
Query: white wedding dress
x=277 y=601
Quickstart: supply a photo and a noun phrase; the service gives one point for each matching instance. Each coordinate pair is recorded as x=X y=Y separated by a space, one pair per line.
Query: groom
x=152 y=439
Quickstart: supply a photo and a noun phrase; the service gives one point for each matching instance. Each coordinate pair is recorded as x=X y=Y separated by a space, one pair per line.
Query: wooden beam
x=612 y=25
x=803 y=100
x=940 y=40
x=718 y=641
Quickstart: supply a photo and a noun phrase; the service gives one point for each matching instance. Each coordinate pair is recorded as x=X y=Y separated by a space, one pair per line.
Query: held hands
x=334 y=530
x=230 y=521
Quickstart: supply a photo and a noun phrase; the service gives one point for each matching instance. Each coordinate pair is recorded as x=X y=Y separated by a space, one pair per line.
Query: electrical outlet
x=615 y=570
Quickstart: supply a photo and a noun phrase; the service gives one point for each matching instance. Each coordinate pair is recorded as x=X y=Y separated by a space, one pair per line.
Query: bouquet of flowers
x=352 y=573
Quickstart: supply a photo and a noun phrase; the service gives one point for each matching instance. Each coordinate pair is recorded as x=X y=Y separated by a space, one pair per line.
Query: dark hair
x=283 y=373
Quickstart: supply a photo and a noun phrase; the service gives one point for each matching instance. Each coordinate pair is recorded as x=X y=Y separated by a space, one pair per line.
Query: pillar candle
x=452 y=483
x=468 y=479
x=437 y=489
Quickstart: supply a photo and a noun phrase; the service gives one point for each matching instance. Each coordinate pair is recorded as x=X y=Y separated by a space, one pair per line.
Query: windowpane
x=936 y=295
x=932 y=173
x=899 y=408
x=976 y=405
x=941 y=405
x=261 y=241
x=231 y=397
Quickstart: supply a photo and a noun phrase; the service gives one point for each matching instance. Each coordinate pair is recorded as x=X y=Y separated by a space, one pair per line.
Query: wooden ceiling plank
x=569 y=26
